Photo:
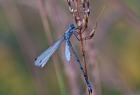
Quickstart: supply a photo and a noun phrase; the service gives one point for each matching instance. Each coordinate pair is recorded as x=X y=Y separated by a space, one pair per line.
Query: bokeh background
x=27 y=27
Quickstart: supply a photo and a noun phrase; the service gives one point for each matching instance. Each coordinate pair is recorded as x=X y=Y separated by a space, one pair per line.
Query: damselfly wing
x=41 y=60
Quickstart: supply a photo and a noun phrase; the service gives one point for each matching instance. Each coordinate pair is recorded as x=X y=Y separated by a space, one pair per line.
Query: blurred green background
x=27 y=27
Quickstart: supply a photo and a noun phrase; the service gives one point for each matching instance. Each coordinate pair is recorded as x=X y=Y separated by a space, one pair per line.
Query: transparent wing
x=45 y=56
x=67 y=52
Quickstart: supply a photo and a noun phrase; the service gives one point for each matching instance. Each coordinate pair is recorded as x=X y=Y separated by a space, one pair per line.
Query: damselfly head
x=72 y=26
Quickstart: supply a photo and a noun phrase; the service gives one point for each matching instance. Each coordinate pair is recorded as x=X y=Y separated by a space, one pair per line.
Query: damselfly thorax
x=69 y=32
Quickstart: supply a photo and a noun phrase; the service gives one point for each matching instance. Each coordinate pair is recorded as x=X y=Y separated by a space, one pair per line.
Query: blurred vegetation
x=23 y=36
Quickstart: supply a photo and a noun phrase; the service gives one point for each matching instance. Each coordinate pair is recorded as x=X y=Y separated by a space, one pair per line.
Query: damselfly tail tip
x=90 y=90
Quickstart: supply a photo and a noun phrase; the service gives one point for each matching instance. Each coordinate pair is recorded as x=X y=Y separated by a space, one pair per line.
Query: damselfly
x=41 y=60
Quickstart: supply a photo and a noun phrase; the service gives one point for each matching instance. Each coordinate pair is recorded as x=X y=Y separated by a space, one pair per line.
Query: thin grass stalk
x=25 y=42
x=44 y=17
